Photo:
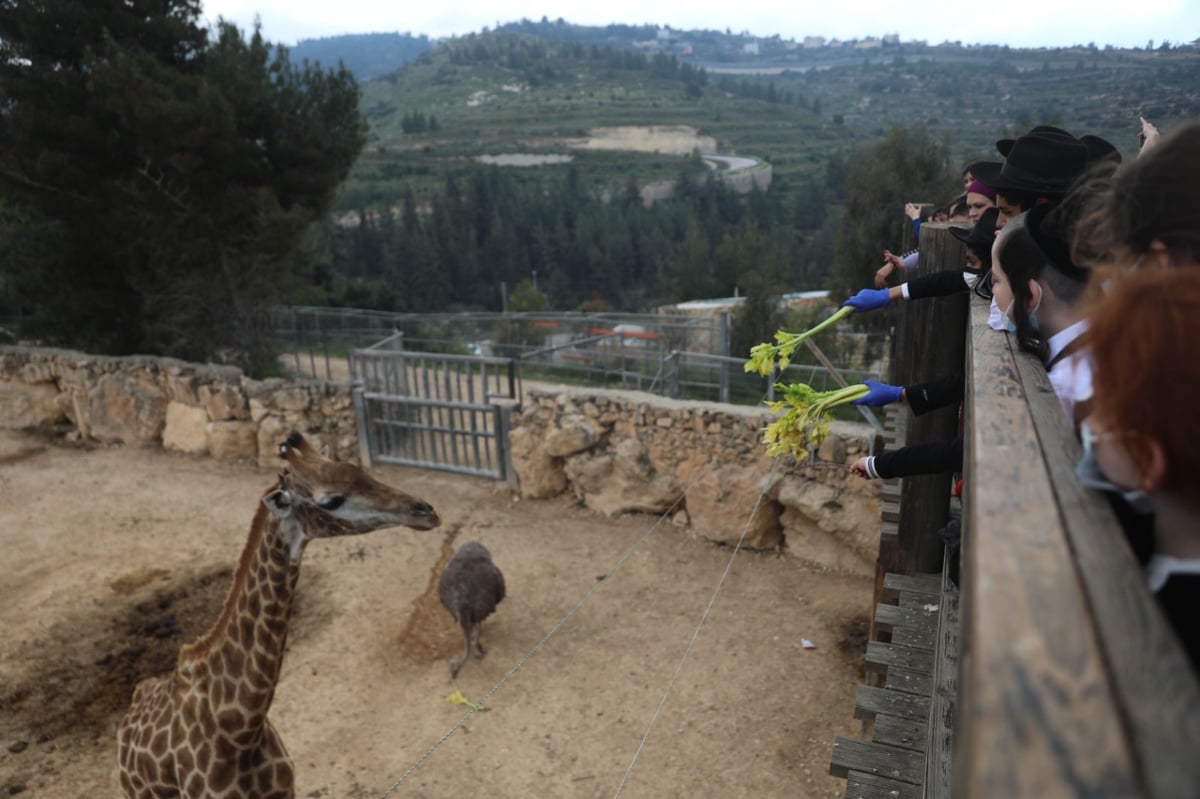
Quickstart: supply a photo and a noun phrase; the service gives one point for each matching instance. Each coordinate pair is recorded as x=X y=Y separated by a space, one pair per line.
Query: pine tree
x=179 y=168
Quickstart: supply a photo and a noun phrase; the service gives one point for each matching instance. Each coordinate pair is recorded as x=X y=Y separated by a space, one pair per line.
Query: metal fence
x=678 y=356
x=434 y=410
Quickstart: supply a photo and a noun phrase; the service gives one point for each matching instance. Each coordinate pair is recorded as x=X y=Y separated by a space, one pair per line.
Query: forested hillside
x=198 y=175
x=367 y=55
x=422 y=224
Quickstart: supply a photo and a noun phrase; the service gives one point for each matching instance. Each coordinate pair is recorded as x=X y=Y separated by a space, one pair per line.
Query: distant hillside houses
x=715 y=307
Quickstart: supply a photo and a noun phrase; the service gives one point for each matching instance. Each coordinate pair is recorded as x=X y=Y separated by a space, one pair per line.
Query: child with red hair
x=1144 y=433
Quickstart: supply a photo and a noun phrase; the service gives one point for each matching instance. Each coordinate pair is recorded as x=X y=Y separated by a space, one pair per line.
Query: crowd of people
x=1087 y=261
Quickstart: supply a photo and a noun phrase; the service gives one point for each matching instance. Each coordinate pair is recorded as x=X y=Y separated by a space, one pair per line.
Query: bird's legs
x=479 y=649
x=456 y=663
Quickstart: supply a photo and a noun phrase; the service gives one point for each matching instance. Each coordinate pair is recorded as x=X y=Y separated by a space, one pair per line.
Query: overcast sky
x=1020 y=23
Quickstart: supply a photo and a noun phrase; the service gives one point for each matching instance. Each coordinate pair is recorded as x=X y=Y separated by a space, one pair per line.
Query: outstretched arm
x=932 y=457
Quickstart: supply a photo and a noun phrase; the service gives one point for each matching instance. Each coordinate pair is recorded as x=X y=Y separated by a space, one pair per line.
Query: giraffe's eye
x=331 y=503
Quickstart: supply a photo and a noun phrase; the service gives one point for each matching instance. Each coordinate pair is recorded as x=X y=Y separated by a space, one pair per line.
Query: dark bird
x=470 y=587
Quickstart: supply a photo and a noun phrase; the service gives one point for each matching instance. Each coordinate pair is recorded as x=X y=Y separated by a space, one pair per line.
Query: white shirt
x=1161 y=567
x=1071 y=375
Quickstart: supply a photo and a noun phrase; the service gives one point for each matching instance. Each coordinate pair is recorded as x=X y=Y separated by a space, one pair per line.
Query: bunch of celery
x=804 y=423
x=763 y=356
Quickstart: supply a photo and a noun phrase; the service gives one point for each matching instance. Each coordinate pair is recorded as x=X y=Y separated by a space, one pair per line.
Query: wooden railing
x=1054 y=673
x=1071 y=681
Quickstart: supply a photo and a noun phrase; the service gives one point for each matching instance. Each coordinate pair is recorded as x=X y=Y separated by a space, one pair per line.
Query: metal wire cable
x=612 y=572
x=628 y=553
x=696 y=633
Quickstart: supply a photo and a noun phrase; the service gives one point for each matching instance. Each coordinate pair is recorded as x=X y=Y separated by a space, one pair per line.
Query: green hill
x=535 y=87
x=515 y=93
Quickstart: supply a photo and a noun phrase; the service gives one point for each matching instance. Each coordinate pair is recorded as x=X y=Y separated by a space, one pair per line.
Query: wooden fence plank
x=939 y=750
x=860 y=785
x=930 y=584
x=1038 y=717
x=881 y=656
x=909 y=681
x=1157 y=686
x=870 y=701
x=936 y=330
x=904 y=733
x=914 y=638
x=850 y=754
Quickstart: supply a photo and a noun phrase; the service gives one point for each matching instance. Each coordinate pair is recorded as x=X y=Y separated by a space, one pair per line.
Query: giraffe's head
x=344 y=498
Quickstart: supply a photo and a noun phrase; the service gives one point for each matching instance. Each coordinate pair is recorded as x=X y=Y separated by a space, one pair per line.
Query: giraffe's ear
x=279 y=502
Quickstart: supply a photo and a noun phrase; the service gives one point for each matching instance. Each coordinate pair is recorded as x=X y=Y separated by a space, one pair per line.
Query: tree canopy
x=909 y=165
x=156 y=176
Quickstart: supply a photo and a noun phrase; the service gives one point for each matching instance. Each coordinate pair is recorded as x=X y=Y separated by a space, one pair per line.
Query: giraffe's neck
x=234 y=668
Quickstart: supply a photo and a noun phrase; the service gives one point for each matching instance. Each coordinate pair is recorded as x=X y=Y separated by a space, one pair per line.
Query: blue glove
x=868 y=300
x=880 y=394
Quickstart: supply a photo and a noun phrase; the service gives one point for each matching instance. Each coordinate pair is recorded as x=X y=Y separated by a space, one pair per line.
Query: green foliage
x=176 y=172
x=907 y=166
x=758 y=317
x=526 y=298
x=489 y=226
x=366 y=55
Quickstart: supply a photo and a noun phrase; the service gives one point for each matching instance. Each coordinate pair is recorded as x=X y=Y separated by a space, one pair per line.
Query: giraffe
x=203 y=731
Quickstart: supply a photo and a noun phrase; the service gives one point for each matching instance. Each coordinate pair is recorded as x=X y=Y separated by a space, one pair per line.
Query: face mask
x=1033 y=320
x=1091 y=475
x=971 y=278
x=1009 y=324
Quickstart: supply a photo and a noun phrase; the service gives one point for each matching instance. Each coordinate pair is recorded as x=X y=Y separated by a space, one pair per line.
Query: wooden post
x=933 y=348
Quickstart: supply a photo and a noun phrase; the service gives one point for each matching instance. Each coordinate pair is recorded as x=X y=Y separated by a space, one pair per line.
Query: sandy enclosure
x=114 y=557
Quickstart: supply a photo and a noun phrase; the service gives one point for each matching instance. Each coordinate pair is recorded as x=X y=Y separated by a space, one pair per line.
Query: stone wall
x=620 y=452
x=616 y=452
x=194 y=408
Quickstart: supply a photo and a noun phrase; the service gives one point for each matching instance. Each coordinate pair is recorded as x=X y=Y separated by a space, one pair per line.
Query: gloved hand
x=868 y=300
x=880 y=394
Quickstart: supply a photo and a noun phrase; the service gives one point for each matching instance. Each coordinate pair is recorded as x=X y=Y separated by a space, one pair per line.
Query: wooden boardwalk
x=907 y=701
x=1058 y=676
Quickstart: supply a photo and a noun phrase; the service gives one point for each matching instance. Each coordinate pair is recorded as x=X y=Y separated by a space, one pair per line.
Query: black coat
x=937 y=284
x=1179 y=599
x=932 y=457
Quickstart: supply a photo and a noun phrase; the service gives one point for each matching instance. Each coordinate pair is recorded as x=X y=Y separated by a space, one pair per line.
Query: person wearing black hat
x=1040 y=290
x=979 y=240
x=1038 y=167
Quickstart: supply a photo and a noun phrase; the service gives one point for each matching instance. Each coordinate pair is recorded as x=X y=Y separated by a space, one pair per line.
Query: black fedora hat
x=1005 y=145
x=1044 y=224
x=982 y=232
x=1043 y=163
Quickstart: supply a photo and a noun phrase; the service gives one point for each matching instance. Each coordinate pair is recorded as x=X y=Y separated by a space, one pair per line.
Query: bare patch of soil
x=115 y=557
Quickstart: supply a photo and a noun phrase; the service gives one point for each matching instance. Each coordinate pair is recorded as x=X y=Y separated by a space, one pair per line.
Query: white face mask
x=971 y=278
x=1091 y=475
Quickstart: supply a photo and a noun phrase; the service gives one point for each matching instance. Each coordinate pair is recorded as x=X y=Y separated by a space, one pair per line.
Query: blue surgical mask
x=1009 y=324
x=1033 y=320
x=1091 y=475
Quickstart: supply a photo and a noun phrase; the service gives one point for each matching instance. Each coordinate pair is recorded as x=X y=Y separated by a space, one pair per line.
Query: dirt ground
x=114 y=557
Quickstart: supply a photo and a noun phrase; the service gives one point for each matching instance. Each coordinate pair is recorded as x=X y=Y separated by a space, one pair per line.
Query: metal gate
x=434 y=410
